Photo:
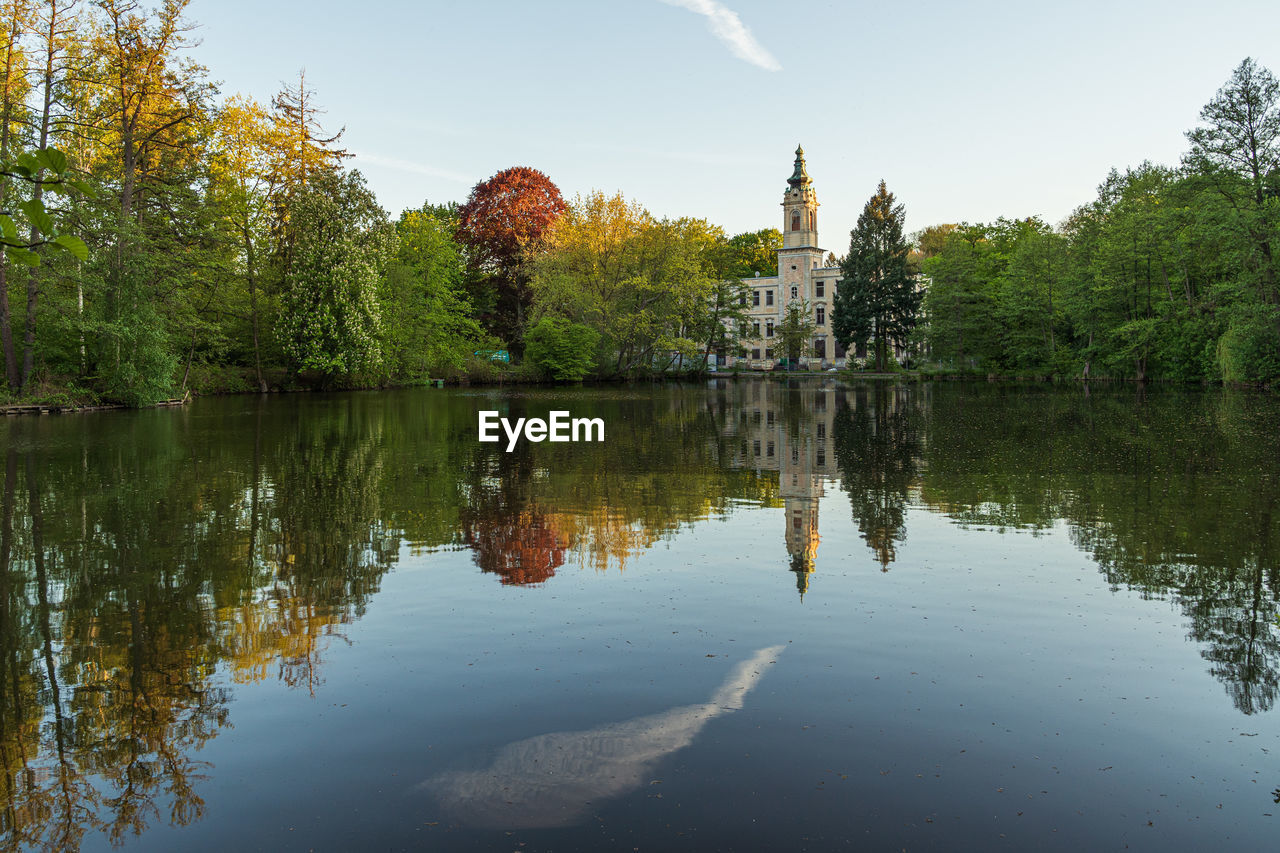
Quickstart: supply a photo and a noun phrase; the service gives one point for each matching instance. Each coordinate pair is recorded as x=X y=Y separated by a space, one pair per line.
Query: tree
x=1240 y=138
x=329 y=314
x=302 y=151
x=727 y=312
x=1025 y=299
x=245 y=143
x=752 y=253
x=432 y=323
x=13 y=90
x=650 y=287
x=878 y=298
x=503 y=222
x=565 y=351
x=146 y=109
x=305 y=150
x=960 y=302
x=55 y=26
x=795 y=333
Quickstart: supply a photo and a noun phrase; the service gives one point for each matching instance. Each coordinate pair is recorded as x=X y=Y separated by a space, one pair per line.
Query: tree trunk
x=6 y=114
x=33 y=280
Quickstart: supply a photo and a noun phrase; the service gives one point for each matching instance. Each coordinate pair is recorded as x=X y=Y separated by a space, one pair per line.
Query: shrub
x=1249 y=351
x=564 y=351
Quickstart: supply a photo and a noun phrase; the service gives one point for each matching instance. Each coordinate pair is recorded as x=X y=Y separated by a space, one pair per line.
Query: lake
x=760 y=615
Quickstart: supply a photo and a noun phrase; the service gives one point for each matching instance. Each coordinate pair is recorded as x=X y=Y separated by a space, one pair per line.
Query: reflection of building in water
x=801 y=489
x=788 y=430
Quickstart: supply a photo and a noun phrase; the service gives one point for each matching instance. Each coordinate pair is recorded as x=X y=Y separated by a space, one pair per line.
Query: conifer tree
x=877 y=299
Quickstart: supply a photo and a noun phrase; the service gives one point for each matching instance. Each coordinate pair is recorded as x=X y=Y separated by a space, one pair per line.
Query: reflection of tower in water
x=788 y=429
x=801 y=488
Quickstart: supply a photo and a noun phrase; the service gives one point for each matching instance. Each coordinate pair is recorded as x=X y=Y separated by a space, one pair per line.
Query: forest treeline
x=232 y=246
x=1169 y=273
x=202 y=241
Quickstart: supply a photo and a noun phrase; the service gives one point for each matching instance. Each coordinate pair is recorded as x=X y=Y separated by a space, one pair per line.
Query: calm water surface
x=947 y=617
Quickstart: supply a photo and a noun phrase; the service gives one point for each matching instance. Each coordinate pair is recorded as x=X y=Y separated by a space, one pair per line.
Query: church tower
x=799 y=208
x=799 y=254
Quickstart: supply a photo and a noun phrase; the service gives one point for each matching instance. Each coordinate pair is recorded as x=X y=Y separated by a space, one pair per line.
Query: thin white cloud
x=728 y=27
x=410 y=166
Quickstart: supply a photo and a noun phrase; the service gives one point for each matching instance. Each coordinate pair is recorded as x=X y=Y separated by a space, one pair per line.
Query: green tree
x=330 y=320
x=752 y=253
x=564 y=351
x=959 y=301
x=431 y=321
x=795 y=332
x=650 y=287
x=878 y=298
x=1240 y=138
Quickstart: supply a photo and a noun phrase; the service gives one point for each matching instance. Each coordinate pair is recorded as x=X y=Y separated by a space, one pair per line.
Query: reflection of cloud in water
x=551 y=780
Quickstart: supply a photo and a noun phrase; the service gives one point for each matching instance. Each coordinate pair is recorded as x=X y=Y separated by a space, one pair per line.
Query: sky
x=967 y=110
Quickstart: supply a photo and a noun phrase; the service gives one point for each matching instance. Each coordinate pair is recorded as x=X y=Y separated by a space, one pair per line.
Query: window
x=795 y=220
x=822 y=431
x=768 y=417
x=820 y=403
x=768 y=353
x=768 y=329
x=813 y=222
x=795 y=457
x=822 y=458
x=768 y=297
x=819 y=289
x=795 y=291
x=797 y=520
x=755 y=354
x=820 y=315
x=768 y=450
x=742 y=329
x=755 y=298
x=755 y=416
x=755 y=447
x=742 y=299
x=820 y=348
x=755 y=330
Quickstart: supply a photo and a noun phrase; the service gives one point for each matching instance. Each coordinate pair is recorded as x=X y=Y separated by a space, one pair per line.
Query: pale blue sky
x=969 y=111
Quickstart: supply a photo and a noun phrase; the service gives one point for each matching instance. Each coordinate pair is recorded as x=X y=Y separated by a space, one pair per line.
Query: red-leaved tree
x=503 y=224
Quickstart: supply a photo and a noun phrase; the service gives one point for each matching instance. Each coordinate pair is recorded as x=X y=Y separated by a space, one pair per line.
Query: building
x=787 y=430
x=801 y=276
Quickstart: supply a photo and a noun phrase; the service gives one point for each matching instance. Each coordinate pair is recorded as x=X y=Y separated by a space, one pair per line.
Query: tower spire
x=799 y=177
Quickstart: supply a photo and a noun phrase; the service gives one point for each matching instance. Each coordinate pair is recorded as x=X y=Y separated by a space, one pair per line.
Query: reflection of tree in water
x=527 y=512
x=877 y=445
x=119 y=697
x=1173 y=496
x=327 y=547
x=508 y=534
x=522 y=548
x=133 y=569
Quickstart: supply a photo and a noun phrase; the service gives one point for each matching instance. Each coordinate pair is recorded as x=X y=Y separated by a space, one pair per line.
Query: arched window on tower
x=795 y=220
x=813 y=220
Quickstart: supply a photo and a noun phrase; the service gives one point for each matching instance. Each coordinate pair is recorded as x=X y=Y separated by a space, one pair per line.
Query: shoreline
x=55 y=407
